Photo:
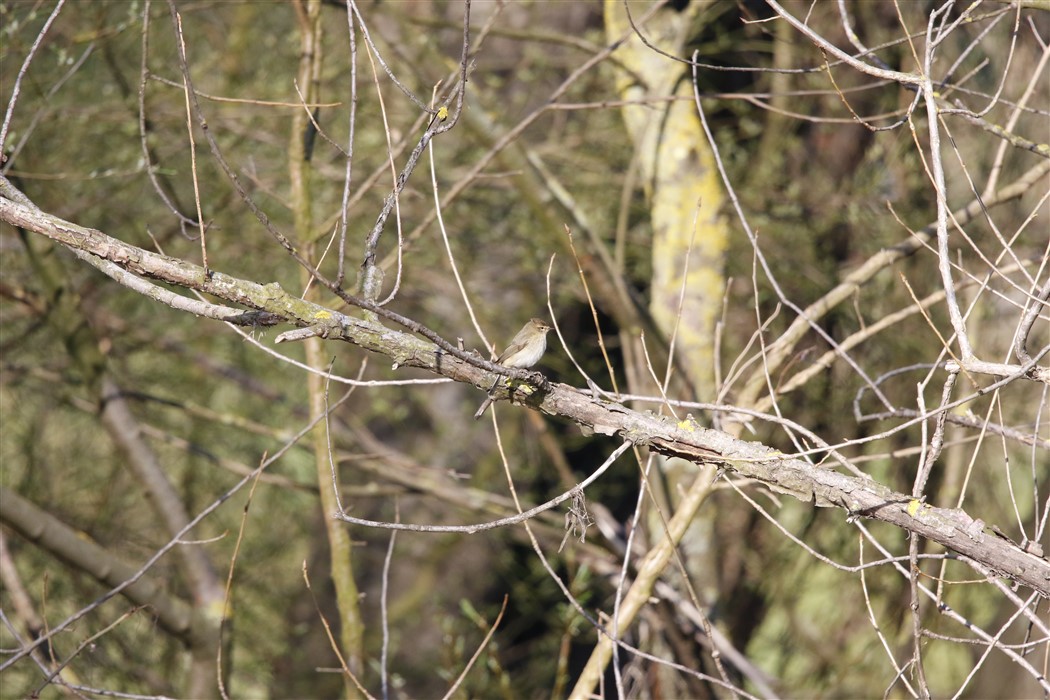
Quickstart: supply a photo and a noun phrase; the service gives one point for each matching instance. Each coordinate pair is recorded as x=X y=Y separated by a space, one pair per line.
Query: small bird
x=524 y=351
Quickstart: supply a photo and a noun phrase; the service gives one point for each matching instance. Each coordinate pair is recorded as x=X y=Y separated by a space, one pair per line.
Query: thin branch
x=16 y=89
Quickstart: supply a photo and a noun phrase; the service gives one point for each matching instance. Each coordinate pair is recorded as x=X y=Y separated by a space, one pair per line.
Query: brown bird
x=524 y=351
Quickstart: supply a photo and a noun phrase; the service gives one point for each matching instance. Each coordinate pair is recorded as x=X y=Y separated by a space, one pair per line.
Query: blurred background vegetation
x=822 y=192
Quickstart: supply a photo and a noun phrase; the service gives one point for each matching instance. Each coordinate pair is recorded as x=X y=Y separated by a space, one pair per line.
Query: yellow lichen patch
x=915 y=507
